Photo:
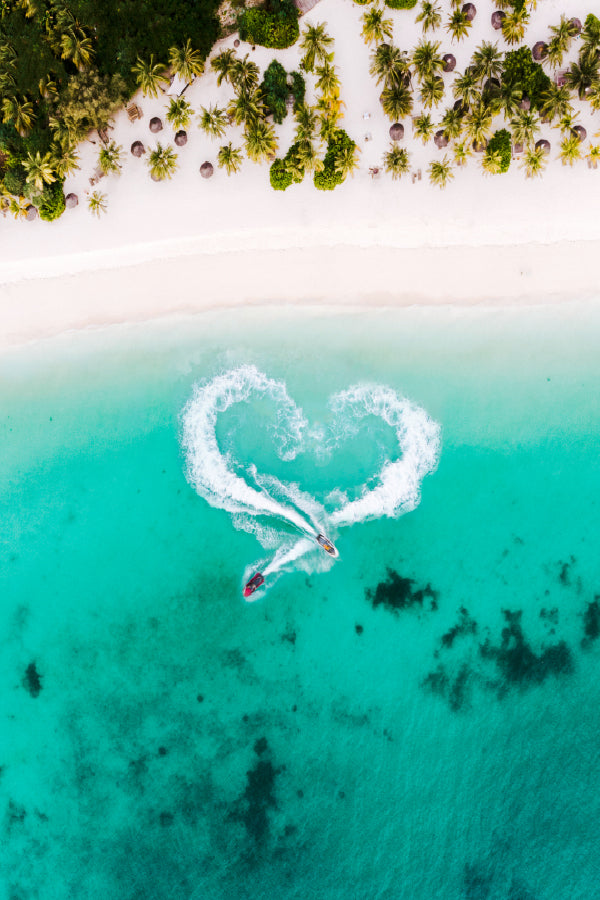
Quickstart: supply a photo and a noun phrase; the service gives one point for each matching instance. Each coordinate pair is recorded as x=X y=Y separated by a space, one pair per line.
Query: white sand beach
x=188 y=244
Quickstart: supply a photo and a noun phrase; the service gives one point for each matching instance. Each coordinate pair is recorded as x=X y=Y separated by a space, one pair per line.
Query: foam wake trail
x=399 y=482
x=286 y=556
x=207 y=469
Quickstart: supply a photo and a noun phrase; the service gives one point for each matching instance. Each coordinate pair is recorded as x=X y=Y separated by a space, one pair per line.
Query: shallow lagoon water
x=418 y=720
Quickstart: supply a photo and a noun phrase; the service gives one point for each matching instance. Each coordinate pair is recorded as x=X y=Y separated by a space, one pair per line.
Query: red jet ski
x=327 y=545
x=253 y=585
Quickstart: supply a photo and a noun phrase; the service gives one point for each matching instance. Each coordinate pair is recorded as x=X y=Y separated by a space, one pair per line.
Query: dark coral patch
x=260 y=797
x=591 y=622
x=398 y=593
x=32 y=680
x=465 y=625
x=454 y=689
x=358 y=629
x=477 y=882
x=517 y=661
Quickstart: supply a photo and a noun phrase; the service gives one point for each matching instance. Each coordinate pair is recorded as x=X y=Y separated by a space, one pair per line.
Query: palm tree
x=229 y=158
x=397 y=102
x=224 y=65
x=375 y=28
x=77 y=47
x=346 y=160
x=534 y=162
x=179 y=113
x=389 y=65
x=162 y=162
x=212 y=121
x=327 y=126
x=525 y=126
x=584 y=75
x=514 y=24
x=430 y=16
x=487 y=61
x=570 y=150
x=20 y=113
x=491 y=162
x=97 y=203
x=65 y=160
x=568 y=122
x=509 y=99
x=458 y=25
x=590 y=35
x=423 y=127
x=261 y=141
x=461 y=152
x=427 y=59
x=306 y=122
x=186 y=62
x=396 y=161
x=593 y=156
x=478 y=124
x=432 y=91
x=109 y=158
x=452 y=123
x=314 y=44
x=244 y=76
x=563 y=34
x=246 y=108
x=466 y=88
x=40 y=169
x=556 y=102
x=555 y=52
x=18 y=207
x=149 y=76
x=440 y=172
x=308 y=157
x=328 y=82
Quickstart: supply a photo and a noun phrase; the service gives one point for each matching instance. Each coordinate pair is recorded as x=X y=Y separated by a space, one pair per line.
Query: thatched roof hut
x=539 y=50
x=576 y=25
x=71 y=201
x=449 y=62
x=31 y=213
x=181 y=138
x=137 y=148
x=498 y=18
x=397 y=132
x=544 y=144
x=440 y=140
x=206 y=169
x=155 y=124
x=580 y=131
x=470 y=11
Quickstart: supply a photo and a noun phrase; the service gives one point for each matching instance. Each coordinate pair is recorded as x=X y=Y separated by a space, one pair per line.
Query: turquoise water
x=418 y=719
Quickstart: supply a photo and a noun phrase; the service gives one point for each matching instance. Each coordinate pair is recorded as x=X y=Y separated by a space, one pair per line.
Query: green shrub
x=53 y=202
x=520 y=71
x=274 y=90
x=501 y=141
x=14 y=180
x=279 y=176
x=297 y=87
x=362 y=2
x=274 y=26
x=328 y=179
x=401 y=4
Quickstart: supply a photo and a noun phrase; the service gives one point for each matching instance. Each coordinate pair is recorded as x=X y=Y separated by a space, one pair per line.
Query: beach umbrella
x=470 y=11
x=577 y=26
x=539 y=50
x=181 y=138
x=137 y=148
x=206 y=169
x=517 y=148
x=580 y=131
x=449 y=62
x=31 y=213
x=155 y=125
x=236 y=43
x=440 y=140
x=71 y=201
x=397 y=132
x=498 y=18
x=544 y=144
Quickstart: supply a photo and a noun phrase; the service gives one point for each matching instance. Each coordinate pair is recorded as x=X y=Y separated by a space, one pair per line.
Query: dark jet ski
x=253 y=585
x=327 y=545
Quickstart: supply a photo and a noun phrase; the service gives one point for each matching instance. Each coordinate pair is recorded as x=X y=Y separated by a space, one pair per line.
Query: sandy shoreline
x=34 y=309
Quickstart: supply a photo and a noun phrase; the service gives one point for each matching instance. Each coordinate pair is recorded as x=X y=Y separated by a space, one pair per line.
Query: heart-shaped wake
x=277 y=509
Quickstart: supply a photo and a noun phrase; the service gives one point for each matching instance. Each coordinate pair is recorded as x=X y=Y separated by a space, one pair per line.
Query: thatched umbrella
x=449 y=62
x=580 y=131
x=155 y=125
x=181 y=138
x=31 y=213
x=498 y=18
x=71 y=201
x=517 y=148
x=155 y=177
x=137 y=148
x=478 y=148
x=525 y=103
x=576 y=25
x=470 y=11
x=544 y=144
x=206 y=169
x=397 y=132
x=440 y=140
x=539 y=50
x=236 y=43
